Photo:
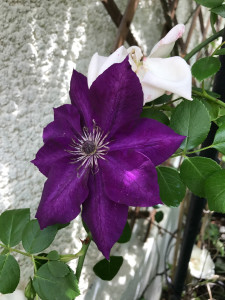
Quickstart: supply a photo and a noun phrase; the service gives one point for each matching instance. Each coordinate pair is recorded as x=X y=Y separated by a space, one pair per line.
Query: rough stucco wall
x=41 y=42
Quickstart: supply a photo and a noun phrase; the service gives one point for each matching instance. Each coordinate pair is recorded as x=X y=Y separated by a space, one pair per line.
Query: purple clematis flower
x=99 y=153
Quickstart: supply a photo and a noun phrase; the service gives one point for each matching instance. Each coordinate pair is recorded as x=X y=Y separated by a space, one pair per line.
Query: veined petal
x=79 y=94
x=130 y=178
x=66 y=123
x=117 y=98
x=165 y=45
x=63 y=194
x=99 y=63
x=52 y=152
x=169 y=74
x=105 y=218
x=150 y=137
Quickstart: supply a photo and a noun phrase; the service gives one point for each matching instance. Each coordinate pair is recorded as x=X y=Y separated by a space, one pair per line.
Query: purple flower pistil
x=89 y=147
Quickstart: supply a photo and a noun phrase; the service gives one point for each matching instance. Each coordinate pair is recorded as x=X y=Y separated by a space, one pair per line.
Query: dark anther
x=88 y=147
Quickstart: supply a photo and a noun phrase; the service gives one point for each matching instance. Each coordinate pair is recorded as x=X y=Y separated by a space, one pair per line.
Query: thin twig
x=194 y=19
x=125 y=23
x=116 y=17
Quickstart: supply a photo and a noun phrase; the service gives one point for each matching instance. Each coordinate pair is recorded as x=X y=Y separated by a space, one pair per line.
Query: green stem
x=84 y=249
x=207 y=96
x=15 y=250
x=23 y=253
x=191 y=152
x=203 y=44
x=217 y=48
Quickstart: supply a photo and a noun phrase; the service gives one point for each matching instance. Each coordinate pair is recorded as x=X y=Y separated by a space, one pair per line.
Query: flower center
x=89 y=147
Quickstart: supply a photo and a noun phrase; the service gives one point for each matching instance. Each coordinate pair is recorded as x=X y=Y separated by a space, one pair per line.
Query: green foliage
x=195 y=170
x=107 y=270
x=205 y=67
x=209 y=3
x=212 y=108
x=171 y=187
x=9 y=274
x=220 y=121
x=191 y=119
x=219 y=140
x=58 y=268
x=12 y=223
x=53 y=255
x=30 y=291
x=220 y=10
x=159 y=216
x=126 y=234
x=213 y=20
x=220 y=51
x=34 y=239
x=155 y=114
x=50 y=285
x=212 y=233
x=40 y=262
x=162 y=99
x=215 y=191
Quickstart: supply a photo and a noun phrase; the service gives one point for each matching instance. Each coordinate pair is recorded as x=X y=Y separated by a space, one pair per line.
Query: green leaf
x=51 y=287
x=215 y=191
x=191 y=119
x=209 y=3
x=213 y=20
x=162 y=99
x=58 y=268
x=205 y=67
x=61 y=226
x=220 y=121
x=171 y=188
x=35 y=240
x=220 y=51
x=12 y=223
x=212 y=108
x=40 y=262
x=220 y=10
x=195 y=170
x=53 y=255
x=155 y=114
x=107 y=270
x=159 y=216
x=30 y=291
x=126 y=235
x=219 y=140
x=9 y=274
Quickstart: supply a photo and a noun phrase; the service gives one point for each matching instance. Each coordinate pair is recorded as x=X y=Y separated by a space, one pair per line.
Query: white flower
x=158 y=73
x=201 y=264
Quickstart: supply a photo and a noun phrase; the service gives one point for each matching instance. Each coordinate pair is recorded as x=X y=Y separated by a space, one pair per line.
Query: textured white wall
x=41 y=42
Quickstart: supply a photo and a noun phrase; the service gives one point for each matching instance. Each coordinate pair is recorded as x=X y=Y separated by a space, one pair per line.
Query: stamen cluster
x=89 y=147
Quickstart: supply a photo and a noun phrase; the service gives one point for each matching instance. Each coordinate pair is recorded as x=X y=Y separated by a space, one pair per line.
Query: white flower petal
x=169 y=74
x=94 y=67
x=99 y=63
x=165 y=45
x=201 y=264
x=135 y=56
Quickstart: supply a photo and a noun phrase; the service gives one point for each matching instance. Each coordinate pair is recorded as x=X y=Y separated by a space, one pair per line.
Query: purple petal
x=63 y=194
x=152 y=138
x=50 y=153
x=66 y=123
x=117 y=97
x=130 y=178
x=105 y=218
x=79 y=94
